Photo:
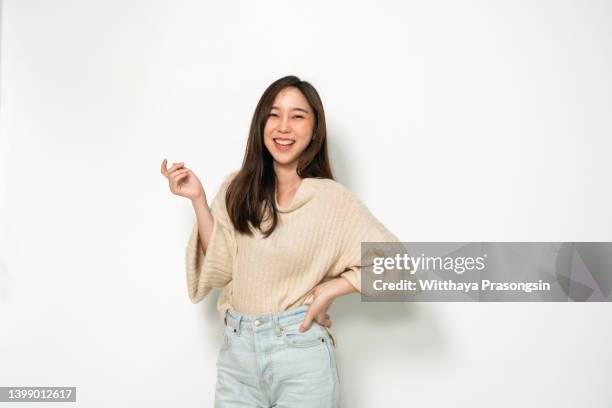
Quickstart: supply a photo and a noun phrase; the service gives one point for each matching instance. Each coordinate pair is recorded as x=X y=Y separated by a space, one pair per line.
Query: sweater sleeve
x=213 y=268
x=360 y=226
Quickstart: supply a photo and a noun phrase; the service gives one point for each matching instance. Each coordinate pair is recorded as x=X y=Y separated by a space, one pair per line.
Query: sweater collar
x=303 y=194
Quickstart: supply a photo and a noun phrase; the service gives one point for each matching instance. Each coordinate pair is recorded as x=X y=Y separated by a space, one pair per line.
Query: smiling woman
x=291 y=112
x=283 y=240
x=287 y=143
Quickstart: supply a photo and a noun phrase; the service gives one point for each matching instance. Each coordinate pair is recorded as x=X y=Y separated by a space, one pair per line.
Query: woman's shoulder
x=333 y=190
x=219 y=200
x=225 y=182
x=327 y=184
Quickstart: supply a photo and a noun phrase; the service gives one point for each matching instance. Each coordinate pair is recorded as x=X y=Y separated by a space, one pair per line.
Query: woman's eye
x=293 y=117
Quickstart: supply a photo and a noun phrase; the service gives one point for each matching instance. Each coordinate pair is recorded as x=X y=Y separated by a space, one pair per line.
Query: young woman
x=283 y=240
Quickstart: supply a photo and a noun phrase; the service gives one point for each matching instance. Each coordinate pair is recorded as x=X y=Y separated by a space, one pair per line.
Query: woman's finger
x=177 y=173
x=173 y=173
x=175 y=167
x=168 y=172
x=307 y=320
x=164 y=169
x=174 y=181
x=179 y=177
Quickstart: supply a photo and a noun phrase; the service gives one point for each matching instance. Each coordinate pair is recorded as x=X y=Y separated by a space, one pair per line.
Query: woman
x=283 y=240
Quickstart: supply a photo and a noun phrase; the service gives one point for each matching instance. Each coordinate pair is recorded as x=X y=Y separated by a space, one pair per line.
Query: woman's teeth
x=283 y=145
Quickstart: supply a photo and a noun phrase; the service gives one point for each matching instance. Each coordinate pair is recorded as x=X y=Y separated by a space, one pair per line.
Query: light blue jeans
x=266 y=362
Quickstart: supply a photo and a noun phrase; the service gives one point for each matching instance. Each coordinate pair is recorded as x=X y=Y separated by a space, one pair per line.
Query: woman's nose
x=284 y=124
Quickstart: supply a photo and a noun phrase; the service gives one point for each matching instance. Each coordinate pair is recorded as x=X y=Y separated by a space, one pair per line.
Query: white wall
x=453 y=121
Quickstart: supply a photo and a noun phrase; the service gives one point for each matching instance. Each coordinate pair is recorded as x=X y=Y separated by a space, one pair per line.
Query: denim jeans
x=266 y=362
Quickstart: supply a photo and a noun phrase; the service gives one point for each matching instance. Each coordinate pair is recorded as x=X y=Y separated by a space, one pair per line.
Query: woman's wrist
x=334 y=288
x=199 y=200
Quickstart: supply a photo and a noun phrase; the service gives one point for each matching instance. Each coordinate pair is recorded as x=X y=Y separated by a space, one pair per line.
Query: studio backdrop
x=452 y=121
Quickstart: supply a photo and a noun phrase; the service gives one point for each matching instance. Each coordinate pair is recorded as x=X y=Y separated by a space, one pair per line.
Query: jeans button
x=256 y=322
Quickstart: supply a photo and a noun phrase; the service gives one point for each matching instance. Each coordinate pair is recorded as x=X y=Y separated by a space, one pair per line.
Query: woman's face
x=289 y=126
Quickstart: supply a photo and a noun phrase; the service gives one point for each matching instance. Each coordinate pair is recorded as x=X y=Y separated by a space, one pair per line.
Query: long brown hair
x=251 y=193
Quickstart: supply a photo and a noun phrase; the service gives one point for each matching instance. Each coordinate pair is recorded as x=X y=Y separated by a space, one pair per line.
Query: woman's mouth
x=283 y=144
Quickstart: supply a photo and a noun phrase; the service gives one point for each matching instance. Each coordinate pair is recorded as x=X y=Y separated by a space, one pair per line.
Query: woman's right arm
x=212 y=245
x=183 y=182
x=204 y=219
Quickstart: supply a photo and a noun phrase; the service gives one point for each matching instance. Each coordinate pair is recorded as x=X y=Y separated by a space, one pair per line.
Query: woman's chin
x=284 y=161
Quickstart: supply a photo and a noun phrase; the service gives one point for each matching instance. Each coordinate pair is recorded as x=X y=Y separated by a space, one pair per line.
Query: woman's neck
x=287 y=179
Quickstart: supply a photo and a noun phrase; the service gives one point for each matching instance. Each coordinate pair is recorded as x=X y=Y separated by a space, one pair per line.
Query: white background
x=452 y=121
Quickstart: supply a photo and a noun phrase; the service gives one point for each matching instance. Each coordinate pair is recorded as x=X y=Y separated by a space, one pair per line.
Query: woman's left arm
x=359 y=225
x=324 y=295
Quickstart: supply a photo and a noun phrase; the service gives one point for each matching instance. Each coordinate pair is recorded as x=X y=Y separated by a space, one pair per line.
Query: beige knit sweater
x=318 y=238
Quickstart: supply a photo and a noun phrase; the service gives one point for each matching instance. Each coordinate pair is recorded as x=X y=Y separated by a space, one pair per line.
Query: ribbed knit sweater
x=318 y=238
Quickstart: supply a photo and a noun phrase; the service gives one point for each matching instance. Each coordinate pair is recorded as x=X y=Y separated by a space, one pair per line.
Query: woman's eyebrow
x=299 y=109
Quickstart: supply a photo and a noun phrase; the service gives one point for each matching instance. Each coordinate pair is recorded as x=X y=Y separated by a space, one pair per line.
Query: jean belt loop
x=276 y=323
x=238 y=325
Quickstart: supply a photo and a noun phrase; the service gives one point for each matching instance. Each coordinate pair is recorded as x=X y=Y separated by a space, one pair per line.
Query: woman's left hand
x=324 y=295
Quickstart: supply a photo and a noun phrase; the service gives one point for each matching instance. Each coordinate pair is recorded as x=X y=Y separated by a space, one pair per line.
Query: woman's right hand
x=182 y=181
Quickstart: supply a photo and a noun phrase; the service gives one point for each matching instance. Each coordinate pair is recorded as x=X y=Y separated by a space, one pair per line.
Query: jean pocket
x=310 y=338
